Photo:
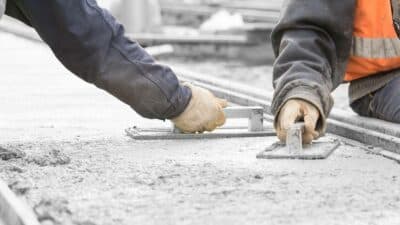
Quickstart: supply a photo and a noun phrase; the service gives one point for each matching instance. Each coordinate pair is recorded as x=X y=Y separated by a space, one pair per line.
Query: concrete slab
x=110 y=179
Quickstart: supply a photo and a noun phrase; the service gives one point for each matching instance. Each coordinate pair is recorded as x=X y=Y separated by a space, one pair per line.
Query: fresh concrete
x=110 y=179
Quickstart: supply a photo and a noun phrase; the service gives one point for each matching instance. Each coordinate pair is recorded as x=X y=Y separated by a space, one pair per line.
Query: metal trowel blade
x=254 y=128
x=317 y=150
x=294 y=148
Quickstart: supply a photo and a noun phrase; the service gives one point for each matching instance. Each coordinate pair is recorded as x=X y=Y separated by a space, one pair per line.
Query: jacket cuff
x=179 y=102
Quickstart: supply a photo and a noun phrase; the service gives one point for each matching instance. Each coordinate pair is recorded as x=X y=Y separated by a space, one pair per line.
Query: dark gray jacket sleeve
x=92 y=45
x=312 y=43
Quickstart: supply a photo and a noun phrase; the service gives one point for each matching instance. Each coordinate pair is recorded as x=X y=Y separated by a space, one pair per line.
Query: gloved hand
x=298 y=110
x=203 y=113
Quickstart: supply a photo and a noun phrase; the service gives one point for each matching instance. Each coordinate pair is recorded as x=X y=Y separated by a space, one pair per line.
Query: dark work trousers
x=91 y=44
x=383 y=104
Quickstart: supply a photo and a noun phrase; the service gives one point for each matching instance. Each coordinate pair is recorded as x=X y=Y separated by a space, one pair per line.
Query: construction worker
x=321 y=43
x=91 y=44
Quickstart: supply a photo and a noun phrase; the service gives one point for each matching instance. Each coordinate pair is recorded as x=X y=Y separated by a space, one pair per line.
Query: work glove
x=203 y=113
x=296 y=110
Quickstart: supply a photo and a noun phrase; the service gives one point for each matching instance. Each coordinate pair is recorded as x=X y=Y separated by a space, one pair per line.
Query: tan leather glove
x=296 y=110
x=203 y=113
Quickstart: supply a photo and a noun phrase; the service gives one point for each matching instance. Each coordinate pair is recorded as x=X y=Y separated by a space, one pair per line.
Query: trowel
x=294 y=148
x=255 y=127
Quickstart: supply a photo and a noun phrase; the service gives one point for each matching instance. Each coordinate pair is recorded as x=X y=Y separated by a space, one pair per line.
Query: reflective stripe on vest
x=376 y=47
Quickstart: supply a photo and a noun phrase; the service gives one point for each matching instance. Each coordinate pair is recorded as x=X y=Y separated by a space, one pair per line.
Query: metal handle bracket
x=253 y=113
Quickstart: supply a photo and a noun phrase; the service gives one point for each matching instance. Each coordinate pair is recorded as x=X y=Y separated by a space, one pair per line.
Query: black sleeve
x=312 y=43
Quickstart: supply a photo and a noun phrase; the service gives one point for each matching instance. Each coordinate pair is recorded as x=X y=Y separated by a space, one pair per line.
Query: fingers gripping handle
x=294 y=139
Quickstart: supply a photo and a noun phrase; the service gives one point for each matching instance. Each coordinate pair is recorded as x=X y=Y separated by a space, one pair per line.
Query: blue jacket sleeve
x=91 y=44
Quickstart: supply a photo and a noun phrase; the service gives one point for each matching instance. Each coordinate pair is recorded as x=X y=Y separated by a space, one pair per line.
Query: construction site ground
x=77 y=166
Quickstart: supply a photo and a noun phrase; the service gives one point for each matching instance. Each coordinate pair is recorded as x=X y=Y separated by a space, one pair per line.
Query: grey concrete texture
x=78 y=166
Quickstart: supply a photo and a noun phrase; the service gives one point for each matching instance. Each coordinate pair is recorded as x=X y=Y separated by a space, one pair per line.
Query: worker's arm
x=312 y=43
x=92 y=44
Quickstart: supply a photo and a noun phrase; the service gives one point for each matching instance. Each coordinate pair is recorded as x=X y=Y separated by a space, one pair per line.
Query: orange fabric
x=373 y=19
x=362 y=67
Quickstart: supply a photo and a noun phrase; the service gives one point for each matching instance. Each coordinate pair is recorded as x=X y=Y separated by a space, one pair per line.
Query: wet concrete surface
x=89 y=172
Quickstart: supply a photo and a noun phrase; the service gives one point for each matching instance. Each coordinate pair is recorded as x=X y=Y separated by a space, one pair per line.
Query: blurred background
x=223 y=38
x=237 y=29
x=206 y=15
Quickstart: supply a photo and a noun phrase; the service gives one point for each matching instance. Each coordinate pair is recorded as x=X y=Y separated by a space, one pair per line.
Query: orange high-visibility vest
x=376 y=47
